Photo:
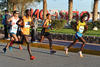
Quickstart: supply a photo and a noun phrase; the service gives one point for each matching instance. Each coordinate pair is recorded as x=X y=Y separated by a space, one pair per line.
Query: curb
x=70 y=37
x=58 y=47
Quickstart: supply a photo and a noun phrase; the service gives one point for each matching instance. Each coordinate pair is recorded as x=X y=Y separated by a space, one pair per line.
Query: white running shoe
x=8 y=39
x=80 y=53
x=66 y=51
x=35 y=42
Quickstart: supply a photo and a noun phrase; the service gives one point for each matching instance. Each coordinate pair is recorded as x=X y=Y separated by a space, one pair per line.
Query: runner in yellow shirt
x=80 y=29
x=45 y=32
x=25 y=25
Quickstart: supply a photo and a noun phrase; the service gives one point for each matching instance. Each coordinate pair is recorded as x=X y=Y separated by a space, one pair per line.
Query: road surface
x=20 y=58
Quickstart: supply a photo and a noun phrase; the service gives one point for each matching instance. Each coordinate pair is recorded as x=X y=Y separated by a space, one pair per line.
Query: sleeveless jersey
x=26 y=25
x=48 y=24
x=80 y=27
x=14 y=26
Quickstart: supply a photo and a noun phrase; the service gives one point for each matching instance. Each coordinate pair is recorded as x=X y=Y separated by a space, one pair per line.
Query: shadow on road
x=1 y=53
x=45 y=52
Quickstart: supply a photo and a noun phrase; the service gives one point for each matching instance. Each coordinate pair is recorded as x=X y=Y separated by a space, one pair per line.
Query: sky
x=80 y=5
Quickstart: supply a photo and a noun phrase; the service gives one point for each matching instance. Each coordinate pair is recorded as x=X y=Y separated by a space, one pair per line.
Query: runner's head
x=6 y=11
x=15 y=13
x=83 y=18
x=48 y=16
x=27 y=12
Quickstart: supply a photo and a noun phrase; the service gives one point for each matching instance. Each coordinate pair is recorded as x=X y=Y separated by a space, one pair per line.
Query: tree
x=13 y=4
x=44 y=9
x=95 y=10
x=95 y=13
x=3 y=4
x=70 y=10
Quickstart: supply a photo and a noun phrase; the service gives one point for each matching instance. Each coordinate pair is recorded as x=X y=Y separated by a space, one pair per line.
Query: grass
x=72 y=32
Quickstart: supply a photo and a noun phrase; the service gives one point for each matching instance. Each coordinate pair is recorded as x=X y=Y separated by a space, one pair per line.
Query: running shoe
x=80 y=53
x=20 y=47
x=35 y=42
x=10 y=48
x=52 y=52
x=32 y=57
x=66 y=50
x=4 y=50
x=8 y=39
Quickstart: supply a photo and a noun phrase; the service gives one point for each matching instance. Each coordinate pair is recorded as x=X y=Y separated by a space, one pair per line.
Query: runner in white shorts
x=13 y=30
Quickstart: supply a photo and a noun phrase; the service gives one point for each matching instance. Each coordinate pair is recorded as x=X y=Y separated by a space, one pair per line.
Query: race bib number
x=27 y=24
x=14 y=28
x=81 y=29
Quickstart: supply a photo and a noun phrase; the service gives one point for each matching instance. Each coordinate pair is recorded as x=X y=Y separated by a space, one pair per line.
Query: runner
x=19 y=35
x=4 y=22
x=45 y=32
x=25 y=25
x=34 y=33
x=13 y=30
x=81 y=28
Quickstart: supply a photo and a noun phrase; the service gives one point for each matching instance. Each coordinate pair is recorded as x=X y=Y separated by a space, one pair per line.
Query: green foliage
x=73 y=25
x=58 y=24
x=97 y=23
x=1 y=22
x=92 y=24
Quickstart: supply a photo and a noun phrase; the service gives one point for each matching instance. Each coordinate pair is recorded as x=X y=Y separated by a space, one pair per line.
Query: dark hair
x=47 y=14
x=83 y=17
x=6 y=11
x=26 y=11
x=14 y=12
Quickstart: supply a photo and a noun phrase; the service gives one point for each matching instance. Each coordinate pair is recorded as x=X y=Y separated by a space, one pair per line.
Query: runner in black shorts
x=45 y=32
x=19 y=35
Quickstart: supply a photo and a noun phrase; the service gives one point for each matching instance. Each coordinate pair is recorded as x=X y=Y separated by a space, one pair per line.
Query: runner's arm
x=32 y=23
x=20 y=23
x=9 y=20
x=86 y=28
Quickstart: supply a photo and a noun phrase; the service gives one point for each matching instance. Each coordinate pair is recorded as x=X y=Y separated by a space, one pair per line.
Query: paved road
x=18 y=58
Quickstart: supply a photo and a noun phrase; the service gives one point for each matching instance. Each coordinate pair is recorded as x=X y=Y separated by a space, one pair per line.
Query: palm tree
x=14 y=4
x=44 y=9
x=95 y=13
x=70 y=10
x=95 y=10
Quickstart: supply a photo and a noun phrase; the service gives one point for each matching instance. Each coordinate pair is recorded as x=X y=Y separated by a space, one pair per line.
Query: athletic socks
x=66 y=50
x=80 y=53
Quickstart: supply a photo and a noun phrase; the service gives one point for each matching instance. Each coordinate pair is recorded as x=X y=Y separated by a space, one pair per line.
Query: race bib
x=81 y=29
x=14 y=29
x=27 y=24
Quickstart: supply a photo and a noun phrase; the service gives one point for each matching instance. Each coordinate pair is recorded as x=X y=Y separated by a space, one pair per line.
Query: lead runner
x=81 y=27
x=25 y=25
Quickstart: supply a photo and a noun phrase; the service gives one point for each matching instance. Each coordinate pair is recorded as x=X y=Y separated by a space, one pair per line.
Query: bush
x=97 y=23
x=58 y=24
x=92 y=24
x=73 y=25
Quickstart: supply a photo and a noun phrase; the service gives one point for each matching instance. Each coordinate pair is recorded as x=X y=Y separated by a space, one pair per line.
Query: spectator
x=4 y=22
x=34 y=32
